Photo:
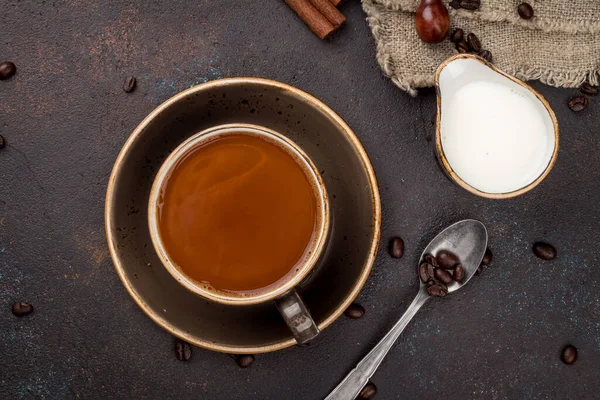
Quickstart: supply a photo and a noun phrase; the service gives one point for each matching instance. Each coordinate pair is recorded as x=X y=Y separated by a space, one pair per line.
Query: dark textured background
x=65 y=117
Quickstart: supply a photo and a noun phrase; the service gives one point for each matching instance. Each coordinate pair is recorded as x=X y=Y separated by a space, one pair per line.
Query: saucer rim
x=304 y=97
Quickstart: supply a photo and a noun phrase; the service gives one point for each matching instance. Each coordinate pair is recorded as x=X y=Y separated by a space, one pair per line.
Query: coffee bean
x=354 y=311
x=437 y=289
x=462 y=46
x=396 y=247
x=129 y=84
x=429 y=259
x=588 y=89
x=487 y=257
x=577 y=104
x=459 y=273
x=7 y=69
x=426 y=272
x=544 y=251
x=244 y=361
x=446 y=259
x=2 y=142
x=368 y=392
x=21 y=309
x=525 y=11
x=486 y=55
x=479 y=270
x=569 y=355
x=454 y=4
x=473 y=42
x=443 y=276
x=470 y=4
x=457 y=35
x=183 y=351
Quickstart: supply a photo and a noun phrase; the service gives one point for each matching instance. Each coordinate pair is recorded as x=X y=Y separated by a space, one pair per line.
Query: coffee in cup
x=239 y=215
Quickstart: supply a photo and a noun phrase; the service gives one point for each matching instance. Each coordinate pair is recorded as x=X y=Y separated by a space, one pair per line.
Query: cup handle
x=297 y=317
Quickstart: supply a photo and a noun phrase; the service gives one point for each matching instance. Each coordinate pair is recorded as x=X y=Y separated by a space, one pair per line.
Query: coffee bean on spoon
x=588 y=89
x=446 y=259
x=473 y=42
x=457 y=35
x=429 y=259
x=426 y=272
x=443 y=276
x=244 y=361
x=183 y=351
x=7 y=69
x=544 y=251
x=437 y=289
x=569 y=355
x=459 y=273
x=355 y=311
x=578 y=104
x=21 y=309
x=368 y=392
x=396 y=247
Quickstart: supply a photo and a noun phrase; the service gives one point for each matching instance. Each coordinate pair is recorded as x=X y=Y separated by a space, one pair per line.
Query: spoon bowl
x=467 y=239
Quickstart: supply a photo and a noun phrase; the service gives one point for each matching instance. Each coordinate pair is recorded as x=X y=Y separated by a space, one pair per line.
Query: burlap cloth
x=559 y=46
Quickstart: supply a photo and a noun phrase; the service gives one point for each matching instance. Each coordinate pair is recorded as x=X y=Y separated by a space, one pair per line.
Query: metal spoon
x=468 y=240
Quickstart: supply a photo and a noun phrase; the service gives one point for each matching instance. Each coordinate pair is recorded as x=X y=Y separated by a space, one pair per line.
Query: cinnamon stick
x=312 y=17
x=336 y=2
x=329 y=11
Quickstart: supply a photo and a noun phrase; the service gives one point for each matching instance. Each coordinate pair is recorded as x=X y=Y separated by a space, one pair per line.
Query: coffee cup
x=239 y=215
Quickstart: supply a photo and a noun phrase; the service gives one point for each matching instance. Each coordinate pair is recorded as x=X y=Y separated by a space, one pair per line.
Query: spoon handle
x=351 y=386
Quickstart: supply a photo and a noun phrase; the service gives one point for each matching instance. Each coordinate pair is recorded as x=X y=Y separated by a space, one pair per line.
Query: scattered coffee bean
x=525 y=11
x=397 y=247
x=446 y=259
x=473 y=42
x=459 y=273
x=129 y=84
x=462 y=46
x=486 y=55
x=443 y=276
x=470 y=4
x=437 y=289
x=544 y=251
x=454 y=4
x=487 y=257
x=2 y=142
x=578 y=104
x=7 y=69
x=431 y=260
x=354 y=311
x=183 y=350
x=426 y=272
x=588 y=89
x=457 y=35
x=244 y=361
x=569 y=355
x=21 y=309
x=368 y=392
x=479 y=270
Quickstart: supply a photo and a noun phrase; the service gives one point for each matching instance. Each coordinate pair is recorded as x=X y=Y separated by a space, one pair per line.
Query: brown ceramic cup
x=290 y=305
